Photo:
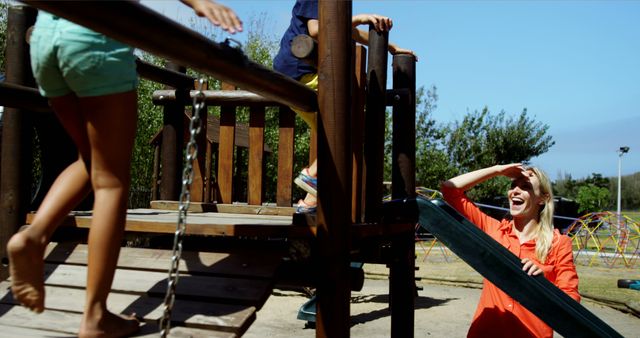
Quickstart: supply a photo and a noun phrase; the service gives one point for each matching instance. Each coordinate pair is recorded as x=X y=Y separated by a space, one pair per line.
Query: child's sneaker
x=304 y=208
x=306 y=182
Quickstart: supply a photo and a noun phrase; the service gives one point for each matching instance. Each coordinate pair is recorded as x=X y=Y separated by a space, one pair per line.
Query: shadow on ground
x=421 y=302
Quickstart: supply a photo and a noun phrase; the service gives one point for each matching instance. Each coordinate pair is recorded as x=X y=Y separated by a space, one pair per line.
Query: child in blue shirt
x=304 y=20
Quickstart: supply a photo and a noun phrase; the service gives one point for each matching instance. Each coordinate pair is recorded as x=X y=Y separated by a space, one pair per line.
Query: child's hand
x=397 y=50
x=380 y=23
x=218 y=14
x=530 y=268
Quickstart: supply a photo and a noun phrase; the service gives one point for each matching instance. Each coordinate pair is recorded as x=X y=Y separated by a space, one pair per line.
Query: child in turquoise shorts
x=90 y=81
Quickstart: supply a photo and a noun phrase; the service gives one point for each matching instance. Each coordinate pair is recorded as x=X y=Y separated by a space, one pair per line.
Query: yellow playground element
x=606 y=237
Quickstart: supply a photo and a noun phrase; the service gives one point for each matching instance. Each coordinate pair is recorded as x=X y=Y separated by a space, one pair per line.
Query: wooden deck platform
x=219 y=291
x=218 y=294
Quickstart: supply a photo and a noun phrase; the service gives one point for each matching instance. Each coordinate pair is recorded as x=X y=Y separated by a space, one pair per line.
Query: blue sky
x=575 y=65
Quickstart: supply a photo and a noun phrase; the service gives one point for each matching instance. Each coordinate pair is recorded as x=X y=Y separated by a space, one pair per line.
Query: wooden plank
x=62 y=324
x=227 y=208
x=248 y=262
x=22 y=332
x=334 y=168
x=357 y=135
x=213 y=224
x=217 y=289
x=208 y=169
x=209 y=316
x=151 y=330
x=285 y=157
x=213 y=98
x=256 y=152
x=58 y=322
x=199 y=165
x=225 y=150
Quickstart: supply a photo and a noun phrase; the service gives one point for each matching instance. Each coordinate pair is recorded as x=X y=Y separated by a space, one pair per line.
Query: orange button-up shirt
x=499 y=315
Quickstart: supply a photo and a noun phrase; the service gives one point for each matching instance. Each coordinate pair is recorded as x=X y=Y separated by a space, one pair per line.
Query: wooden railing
x=349 y=142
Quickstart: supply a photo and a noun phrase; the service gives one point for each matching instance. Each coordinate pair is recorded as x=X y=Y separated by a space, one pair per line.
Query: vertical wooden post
x=256 y=155
x=402 y=272
x=172 y=143
x=225 y=149
x=156 y=172
x=403 y=167
x=15 y=185
x=357 y=131
x=374 y=122
x=285 y=156
x=402 y=285
x=334 y=168
x=313 y=145
x=200 y=174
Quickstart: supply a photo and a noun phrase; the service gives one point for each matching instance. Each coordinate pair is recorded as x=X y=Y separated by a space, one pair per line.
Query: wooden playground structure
x=235 y=254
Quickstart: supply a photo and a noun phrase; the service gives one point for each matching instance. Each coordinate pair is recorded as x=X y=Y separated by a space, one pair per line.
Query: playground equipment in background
x=633 y=284
x=605 y=237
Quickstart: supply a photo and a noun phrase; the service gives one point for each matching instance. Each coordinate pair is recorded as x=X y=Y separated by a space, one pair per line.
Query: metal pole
x=623 y=150
x=619 y=185
x=622 y=227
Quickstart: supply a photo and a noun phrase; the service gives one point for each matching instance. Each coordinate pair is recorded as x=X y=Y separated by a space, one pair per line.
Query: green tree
x=592 y=198
x=629 y=194
x=482 y=139
x=432 y=161
x=597 y=180
x=149 y=123
x=565 y=186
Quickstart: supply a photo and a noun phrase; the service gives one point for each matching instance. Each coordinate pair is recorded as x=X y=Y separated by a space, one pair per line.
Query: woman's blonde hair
x=545 y=220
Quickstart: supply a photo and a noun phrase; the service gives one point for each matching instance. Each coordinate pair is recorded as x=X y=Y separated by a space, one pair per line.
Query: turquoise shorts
x=68 y=58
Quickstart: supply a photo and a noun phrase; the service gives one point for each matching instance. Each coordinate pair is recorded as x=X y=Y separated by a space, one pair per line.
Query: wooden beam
x=334 y=168
x=213 y=98
x=256 y=156
x=285 y=157
x=226 y=150
x=15 y=174
x=374 y=120
x=142 y=27
x=403 y=166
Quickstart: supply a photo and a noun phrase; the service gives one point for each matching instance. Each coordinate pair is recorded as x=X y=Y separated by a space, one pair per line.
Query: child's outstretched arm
x=218 y=14
x=380 y=24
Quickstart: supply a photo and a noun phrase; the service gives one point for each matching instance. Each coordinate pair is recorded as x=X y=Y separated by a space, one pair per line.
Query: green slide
x=502 y=268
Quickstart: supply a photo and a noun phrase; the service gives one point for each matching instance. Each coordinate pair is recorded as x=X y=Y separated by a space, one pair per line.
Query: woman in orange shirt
x=529 y=234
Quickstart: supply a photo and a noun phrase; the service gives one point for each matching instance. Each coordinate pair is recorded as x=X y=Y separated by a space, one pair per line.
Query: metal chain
x=191 y=153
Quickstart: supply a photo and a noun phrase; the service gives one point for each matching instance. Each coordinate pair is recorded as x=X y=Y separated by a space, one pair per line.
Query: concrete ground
x=441 y=311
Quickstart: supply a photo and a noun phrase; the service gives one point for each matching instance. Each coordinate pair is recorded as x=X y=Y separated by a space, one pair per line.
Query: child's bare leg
x=313 y=168
x=310 y=199
x=26 y=248
x=111 y=130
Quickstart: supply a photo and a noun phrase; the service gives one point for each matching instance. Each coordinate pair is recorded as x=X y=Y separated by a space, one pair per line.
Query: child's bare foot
x=27 y=271
x=109 y=326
